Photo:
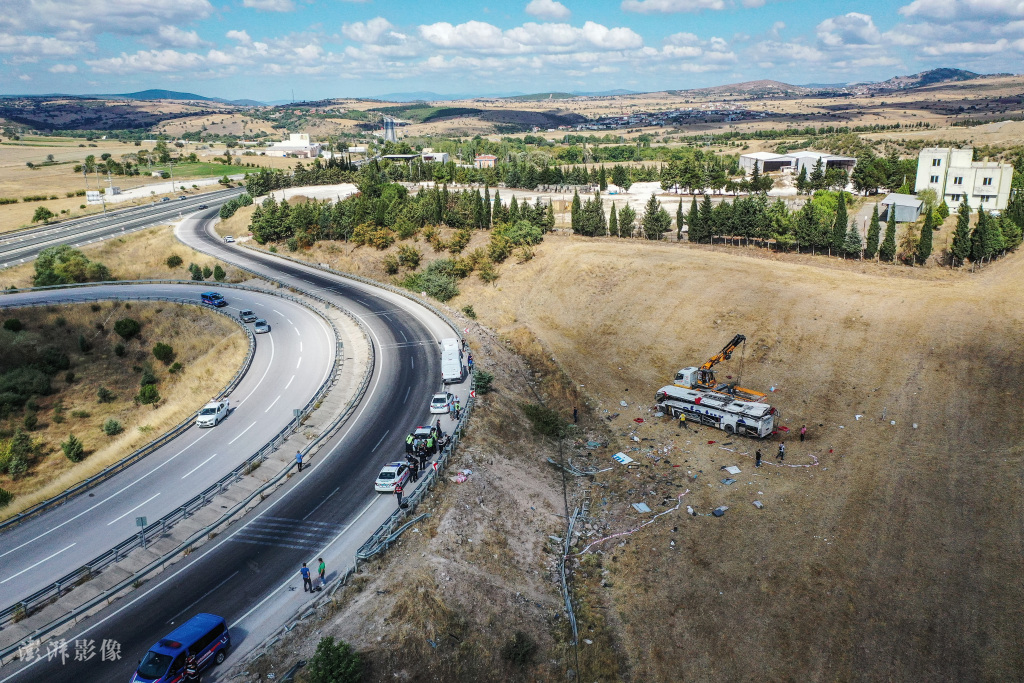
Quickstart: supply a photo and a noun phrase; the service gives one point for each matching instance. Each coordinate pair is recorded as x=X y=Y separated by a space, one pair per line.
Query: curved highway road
x=248 y=574
x=24 y=245
x=289 y=365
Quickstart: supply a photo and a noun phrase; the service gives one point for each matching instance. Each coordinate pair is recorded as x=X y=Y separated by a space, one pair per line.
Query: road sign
x=296 y=412
x=140 y=522
x=434 y=465
x=93 y=197
x=472 y=393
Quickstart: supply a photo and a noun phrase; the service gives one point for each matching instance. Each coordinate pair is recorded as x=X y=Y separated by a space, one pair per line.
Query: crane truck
x=703 y=378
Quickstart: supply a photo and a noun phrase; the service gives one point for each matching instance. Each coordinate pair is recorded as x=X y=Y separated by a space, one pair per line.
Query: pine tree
x=839 y=228
x=924 y=245
x=961 y=247
x=679 y=220
x=817 y=179
x=887 y=252
x=549 y=218
x=852 y=244
x=602 y=179
x=705 y=219
x=872 y=243
x=979 y=237
x=992 y=239
x=576 y=212
x=613 y=223
x=487 y=205
x=627 y=220
x=801 y=180
x=513 y=211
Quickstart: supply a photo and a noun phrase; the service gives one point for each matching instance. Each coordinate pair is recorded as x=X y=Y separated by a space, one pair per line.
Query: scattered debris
x=641 y=507
x=623 y=404
x=720 y=510
x=857 y=417
x=659 y=414
x=758 y=504
x=728 y=481
x=638 y=420
x=622 y=458
x=732 y=469
x=690 y=511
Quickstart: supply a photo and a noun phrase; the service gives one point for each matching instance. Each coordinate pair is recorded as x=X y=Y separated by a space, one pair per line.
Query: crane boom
x=704 y=376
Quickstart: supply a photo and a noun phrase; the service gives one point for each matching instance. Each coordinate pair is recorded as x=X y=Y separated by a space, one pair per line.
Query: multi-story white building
x=298 y=144
x=955 y=177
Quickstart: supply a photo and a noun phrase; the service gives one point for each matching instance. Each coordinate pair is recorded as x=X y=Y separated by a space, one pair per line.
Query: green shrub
x=20 y=384
x=175 y=367
x=292 y=243
x=488 y=273
x=96 y=308
x=74 y=449
x=409 y=256
x=127 y=328
x=519 y=649
x=390 y=264
x=112 y=427
x=84 y=345
x=197 y=272
x=52 y=360
x=148 y=378
x=58 y=412
x=545 y=421
x=80 y=414
x=521 y=233
x=218 y=273
x=439 y=286
x=61 y=321
x=120 y=350
x=69 y=377
x=105 y=395
x=5 y=498
x=482 y=381
x=163 y=353
x=148 y=395
x=273 y=249
x=207 y=272
x=334 y=662
x=470 y=313
x=62 y=265
x=30 y=421
x=13 y=325
x=174 y=261
x=499 y=248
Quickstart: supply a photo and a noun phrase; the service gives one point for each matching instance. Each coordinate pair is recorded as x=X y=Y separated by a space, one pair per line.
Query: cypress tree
x=705 y=219
x=679 y=220
x=613 y=222
x=487 y=206
x=576 y=212
x=924 y=245
x=692 y=219
x=602 y=179
x=801 y=180
x=961 y=247
x=549 y=218
x=887 y=252
x=851 y=243
x=513 y=211
x=992 y=239
x=839 y=229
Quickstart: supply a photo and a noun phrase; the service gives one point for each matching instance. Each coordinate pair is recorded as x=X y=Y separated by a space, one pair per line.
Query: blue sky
x=265 y=49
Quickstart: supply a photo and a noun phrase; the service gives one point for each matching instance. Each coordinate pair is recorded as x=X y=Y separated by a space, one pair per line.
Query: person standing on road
x=423 y=457
x=803 y=433
x=398 y=494
x=439 y=432
x=782 y=452
x=458 y=408
x=757 y=458
x=451 y=409
x=322 y=571
x=298 y=459
x=414 y=470
x=307 y=584
x=575 y=415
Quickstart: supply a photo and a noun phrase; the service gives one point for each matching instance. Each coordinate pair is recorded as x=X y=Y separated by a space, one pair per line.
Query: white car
x=260 y=326
x=441 y=403
x=229 y=238
x=391 y=474
x=212 y=413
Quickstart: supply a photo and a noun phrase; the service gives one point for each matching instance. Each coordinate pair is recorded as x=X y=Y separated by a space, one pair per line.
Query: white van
x=452 y=368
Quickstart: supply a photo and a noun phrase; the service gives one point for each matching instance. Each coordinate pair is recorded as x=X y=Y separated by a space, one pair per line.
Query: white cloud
x=753 y=3
x=239 y=36
x=41 y=45
x=950 y=9
x=853 y=28
x=90 y=17
x=24 y=77
x=547 y=9
x=376 y=31
x=176 y=37
x=270 y=5
x=967 y=48
x=529 y=38
x=682 y=39
x=670 y=6
x=63 y=69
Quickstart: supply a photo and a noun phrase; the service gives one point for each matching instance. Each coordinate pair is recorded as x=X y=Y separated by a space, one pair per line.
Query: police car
x=391 y=475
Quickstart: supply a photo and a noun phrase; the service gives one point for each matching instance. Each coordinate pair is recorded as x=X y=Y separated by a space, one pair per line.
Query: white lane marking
x=14 y=576
x=321 y=503
x=300 y=347
x=290 y=322
x=269 y=364
x=272 y=404
x=290 y=579
x=240 y=435
x=406 y=394
x=108 y=498
x=290 y=382
x=402 y=332
x=381 y=439
x=201 y=464
x=299 y=363
x=296 y=329
x=412 y=361
x=277 y=311
x=171 y=620
x=131 y=511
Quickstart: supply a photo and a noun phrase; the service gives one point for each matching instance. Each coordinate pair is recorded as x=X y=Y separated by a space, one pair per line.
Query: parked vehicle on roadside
x=391 y=475
x=212 y=413
x=440 y=404
x=204 y=636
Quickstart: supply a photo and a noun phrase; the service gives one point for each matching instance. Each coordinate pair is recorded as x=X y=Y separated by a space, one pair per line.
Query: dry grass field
x=889 y=544
x=209 y=347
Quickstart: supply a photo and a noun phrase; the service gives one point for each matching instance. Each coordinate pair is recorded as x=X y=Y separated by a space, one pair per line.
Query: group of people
x=307 y=581
x=454 y=411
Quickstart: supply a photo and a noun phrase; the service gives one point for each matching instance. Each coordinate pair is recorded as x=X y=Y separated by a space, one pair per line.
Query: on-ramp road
x=249 y=573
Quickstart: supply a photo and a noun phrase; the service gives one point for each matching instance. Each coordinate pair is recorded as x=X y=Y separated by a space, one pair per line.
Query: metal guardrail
x=153 y=445
x=159 y=527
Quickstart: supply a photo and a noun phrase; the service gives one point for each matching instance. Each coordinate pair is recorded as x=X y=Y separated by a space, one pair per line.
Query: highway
x=289 y=365
x=24 y=245
x=248 y=574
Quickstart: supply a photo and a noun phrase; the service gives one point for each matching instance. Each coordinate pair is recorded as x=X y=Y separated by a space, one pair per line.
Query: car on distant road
x=441 y=403
x=182 y=197
x=392 y=474
x=212 y=413
x=246 y=316
x=203 y=206
x=166 y=199
x=260 y=326
x=213 y=299
x=229 y=238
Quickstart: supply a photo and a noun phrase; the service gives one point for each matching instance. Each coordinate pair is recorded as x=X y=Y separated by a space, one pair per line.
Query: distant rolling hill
x=156 y=94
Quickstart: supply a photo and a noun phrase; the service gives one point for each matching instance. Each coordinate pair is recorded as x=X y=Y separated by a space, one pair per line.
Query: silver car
x=260 y=326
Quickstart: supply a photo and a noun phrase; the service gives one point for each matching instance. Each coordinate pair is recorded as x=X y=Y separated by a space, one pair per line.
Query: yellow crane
x=703 y=378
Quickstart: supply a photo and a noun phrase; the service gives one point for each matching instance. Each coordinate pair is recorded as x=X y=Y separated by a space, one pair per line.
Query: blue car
x=204 y=635
x=213 y=299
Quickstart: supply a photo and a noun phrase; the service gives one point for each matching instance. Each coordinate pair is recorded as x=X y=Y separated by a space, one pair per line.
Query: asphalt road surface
x=237 y=573
x=290 y=363
x=24 y=245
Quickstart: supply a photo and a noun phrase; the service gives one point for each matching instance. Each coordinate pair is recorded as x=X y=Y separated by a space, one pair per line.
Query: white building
x=794 y=161
x=429 y=155
x=298 y=144
x=955 y=177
